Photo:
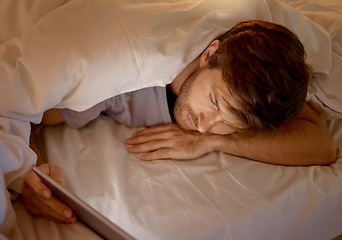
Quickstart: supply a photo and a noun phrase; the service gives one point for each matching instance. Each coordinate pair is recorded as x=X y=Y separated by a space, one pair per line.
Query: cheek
x=179 y=111
x=222 y=129
x=199 y=101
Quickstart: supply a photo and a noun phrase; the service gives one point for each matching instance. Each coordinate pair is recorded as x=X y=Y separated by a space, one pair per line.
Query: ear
x=208 y=52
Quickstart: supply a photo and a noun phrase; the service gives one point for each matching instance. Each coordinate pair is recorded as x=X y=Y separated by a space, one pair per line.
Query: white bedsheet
x=215 y=197
x=31 y=82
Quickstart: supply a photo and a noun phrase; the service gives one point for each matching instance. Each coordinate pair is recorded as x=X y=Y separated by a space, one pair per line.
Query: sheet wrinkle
x=77 y=79
x=203 y=196
x=238 y=182
x=249 y=213
x=125 y=203
x=129 y=40
x=32 y=101
x=315 y=6
x=268 y=10
x=326 y=106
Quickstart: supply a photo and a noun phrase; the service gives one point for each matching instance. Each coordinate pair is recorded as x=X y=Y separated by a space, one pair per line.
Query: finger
x=39 y=199
x=167 y=133
x=32 y=181
x=139 y=139
x=50 y=208
x=45 y=168
x=45 y=213
x=56 y=173
x=29 y=203
x=36 y=184
x=149 y=146
x=57 y=208
x=155 y=129
x=158 y=154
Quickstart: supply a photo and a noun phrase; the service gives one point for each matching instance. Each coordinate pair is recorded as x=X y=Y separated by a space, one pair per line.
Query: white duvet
x=76 y=53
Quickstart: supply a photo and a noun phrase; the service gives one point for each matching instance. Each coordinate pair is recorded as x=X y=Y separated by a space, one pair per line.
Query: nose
x=206 y=121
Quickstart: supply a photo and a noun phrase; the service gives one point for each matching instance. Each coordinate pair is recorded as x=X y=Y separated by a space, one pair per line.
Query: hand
x=39 y=200
x=168 y=141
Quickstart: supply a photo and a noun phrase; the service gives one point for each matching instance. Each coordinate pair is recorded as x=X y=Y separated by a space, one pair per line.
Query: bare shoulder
x=309 y=126
x=309 y=115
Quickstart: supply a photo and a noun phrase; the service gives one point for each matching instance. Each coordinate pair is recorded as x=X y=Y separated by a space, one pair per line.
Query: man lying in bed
x=244 y=95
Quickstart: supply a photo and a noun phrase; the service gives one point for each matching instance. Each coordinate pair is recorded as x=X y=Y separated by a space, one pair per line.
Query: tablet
x=88 y=215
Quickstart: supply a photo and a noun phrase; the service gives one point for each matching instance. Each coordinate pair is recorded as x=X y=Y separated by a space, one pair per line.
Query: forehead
x=210 y=75
x=211 y=79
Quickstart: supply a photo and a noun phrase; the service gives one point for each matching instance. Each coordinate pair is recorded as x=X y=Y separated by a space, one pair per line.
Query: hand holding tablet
x=40 y=201
x=85 y=213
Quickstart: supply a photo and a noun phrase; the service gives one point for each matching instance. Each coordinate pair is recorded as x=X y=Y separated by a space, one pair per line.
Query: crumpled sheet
x=217 y=196
x=48 y=59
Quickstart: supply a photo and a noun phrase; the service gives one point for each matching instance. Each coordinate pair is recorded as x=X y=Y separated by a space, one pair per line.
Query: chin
x=180 y=120
x=182 y=125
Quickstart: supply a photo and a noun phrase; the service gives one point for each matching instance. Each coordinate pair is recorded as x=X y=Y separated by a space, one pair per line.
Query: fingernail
x=46 y=193
x=68 y=213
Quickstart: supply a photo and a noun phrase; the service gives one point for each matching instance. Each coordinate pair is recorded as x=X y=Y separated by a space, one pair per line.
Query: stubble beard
x=182 y=109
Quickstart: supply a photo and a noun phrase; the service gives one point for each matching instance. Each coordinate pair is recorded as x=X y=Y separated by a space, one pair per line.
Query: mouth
x=190 y=124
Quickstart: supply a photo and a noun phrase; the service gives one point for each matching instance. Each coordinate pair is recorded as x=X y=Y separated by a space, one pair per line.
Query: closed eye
x=214 y=101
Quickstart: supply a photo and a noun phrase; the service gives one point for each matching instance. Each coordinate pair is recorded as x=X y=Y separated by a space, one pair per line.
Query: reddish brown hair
x=263 y=65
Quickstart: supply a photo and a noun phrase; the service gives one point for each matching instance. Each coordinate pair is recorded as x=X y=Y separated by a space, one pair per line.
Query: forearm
x=299 y=143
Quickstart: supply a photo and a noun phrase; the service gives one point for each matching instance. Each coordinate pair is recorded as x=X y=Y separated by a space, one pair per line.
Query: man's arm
x=52 y=117
x=302 y=141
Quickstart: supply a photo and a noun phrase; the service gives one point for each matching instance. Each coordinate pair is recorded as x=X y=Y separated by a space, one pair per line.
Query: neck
x=176 y=84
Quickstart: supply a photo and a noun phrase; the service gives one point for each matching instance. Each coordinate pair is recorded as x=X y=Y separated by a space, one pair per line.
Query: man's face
x=203 y=104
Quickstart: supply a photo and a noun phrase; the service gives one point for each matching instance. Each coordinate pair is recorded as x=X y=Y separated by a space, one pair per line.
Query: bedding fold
x=75 y=54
